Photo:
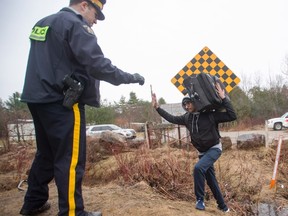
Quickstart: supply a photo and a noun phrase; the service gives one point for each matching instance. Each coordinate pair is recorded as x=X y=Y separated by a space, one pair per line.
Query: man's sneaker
x=225 y=209
x=200 y=205
x=37 y=211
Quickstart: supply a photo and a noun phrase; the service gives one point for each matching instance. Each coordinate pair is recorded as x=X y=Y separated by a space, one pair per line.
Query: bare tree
x=284 y=66
x=245 y=83
x=257 y=79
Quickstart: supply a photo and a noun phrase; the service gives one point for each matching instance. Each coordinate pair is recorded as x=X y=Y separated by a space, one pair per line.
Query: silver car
x=96 y=130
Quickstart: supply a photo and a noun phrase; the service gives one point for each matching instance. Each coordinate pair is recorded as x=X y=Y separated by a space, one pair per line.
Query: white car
x=278 y=123
x=96 y=130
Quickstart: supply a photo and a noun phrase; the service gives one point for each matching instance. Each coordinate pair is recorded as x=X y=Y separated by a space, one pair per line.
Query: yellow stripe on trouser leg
x=74 y=161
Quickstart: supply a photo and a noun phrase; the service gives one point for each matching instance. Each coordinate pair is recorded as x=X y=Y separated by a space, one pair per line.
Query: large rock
x=226 y=143
x=112 y=142
x=250 y=141
x=112 y=137
x=109 y=143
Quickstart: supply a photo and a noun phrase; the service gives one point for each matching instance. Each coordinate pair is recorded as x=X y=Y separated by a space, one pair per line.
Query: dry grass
x=244 y=176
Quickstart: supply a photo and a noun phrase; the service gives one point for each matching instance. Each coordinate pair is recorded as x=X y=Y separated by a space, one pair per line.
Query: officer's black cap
x=99 y=4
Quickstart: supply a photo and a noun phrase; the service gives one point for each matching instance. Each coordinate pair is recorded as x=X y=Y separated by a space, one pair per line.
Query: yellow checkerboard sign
x=206 y=61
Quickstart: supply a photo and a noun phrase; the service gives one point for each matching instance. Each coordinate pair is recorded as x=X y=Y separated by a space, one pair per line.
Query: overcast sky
x=157 y=38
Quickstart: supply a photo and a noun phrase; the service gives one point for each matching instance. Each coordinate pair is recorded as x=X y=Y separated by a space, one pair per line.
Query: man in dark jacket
x=203 y=128
x=63 y=45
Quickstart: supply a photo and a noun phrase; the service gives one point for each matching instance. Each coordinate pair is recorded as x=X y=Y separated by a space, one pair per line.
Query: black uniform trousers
x=61 y=154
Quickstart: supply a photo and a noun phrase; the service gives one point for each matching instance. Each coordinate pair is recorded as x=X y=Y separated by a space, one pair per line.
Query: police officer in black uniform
x=64 y=69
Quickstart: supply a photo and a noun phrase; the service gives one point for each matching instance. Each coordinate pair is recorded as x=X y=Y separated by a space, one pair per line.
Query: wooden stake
x=273 y=180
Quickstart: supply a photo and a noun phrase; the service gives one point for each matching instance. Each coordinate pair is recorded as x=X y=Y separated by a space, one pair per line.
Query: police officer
x=64 y=45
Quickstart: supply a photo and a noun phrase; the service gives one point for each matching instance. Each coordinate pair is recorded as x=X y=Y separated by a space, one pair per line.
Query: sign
x=206 y=61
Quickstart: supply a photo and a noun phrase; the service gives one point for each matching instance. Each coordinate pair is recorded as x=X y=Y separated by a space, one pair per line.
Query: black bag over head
x=201 y=88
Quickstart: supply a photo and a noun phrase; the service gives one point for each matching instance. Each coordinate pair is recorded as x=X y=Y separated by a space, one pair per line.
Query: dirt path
x=114 y=200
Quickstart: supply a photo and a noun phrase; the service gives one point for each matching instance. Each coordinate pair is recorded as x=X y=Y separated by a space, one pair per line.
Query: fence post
x=179 y=137
x=187 y=139
x=147 y=134
x=266 y=134
x=168 y=136
x=163 y=136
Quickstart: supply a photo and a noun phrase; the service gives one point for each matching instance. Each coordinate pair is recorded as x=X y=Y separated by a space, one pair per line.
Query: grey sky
x=157 y=40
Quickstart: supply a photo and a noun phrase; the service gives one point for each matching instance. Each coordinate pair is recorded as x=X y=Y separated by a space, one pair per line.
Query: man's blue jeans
x=204 y=169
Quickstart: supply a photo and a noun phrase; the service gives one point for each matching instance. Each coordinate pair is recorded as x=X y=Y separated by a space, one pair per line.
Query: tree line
x=253 y=106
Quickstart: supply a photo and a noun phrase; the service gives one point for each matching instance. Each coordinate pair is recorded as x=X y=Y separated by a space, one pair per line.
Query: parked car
x=96 y=130
x=278 y=123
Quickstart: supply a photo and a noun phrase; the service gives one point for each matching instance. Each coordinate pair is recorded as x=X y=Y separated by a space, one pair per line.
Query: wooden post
x=168 y=136
x=187 y=139
x=273 y=180
x=179 y=136
x=147 y=134
x=266 y=134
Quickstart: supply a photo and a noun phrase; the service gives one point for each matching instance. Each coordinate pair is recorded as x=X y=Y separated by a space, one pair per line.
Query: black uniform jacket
x=63 y=43
x=203 y=127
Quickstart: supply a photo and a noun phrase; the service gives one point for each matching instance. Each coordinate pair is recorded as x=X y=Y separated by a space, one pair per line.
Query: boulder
x=112 y=142
x=226 y=143
x=112 y=137
x=250 y=141
x=109 y=143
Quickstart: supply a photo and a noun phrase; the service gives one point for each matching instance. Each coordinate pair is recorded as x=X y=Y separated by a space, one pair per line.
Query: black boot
x=36 y=211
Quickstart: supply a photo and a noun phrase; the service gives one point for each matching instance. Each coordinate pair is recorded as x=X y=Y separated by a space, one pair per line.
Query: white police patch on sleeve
x=88 y=29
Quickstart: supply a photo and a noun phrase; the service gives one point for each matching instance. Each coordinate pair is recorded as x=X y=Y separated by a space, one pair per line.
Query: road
x=270 y=134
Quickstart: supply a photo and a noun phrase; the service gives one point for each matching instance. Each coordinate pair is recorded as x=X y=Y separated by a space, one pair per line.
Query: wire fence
x=157 y=135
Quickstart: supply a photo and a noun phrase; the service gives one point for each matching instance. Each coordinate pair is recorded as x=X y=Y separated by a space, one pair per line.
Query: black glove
x=137 y=78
